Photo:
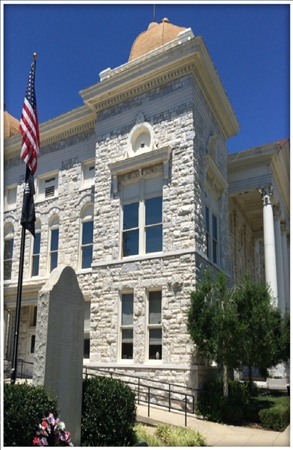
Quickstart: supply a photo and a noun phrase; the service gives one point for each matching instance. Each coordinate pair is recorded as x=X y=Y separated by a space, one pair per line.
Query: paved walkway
x=217 y=435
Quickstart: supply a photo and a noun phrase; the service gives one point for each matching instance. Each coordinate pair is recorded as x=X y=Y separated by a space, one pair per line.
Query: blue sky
x=248 y=44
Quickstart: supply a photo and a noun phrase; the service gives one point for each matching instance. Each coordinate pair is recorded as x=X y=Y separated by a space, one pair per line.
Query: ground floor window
x=126 y=327
x=155 y=325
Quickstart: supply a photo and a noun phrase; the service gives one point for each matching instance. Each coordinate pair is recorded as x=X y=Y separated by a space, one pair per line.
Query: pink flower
x=36 y=441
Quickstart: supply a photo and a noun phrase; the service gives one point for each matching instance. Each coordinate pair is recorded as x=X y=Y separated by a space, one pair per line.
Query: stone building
x=135 y=190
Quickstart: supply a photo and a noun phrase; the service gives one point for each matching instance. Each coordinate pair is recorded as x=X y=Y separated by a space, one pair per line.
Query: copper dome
x=155 y=36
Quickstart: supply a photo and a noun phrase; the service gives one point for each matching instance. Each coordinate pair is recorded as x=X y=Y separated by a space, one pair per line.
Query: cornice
x=249 y=164
x=69 y=124
x=162 y=65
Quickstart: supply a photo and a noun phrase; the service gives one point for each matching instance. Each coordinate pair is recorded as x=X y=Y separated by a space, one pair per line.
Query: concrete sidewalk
x=217 y=435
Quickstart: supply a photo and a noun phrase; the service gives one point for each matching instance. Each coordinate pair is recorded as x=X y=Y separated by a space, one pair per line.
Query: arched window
x=8 y=250
x=36 y=250
x=53 y=242
x=87 y=232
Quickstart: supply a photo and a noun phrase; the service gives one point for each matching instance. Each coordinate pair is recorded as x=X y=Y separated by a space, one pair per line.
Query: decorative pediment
x=141 y=162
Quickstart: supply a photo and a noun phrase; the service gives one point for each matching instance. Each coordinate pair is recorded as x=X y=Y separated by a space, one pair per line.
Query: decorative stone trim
x=137 y=164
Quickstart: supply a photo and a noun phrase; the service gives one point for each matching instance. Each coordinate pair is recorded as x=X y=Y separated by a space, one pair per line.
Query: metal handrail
x=146 y=392
x=19 y=369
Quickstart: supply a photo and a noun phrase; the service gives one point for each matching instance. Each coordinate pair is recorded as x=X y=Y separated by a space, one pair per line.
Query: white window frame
x=150 y=327
x=33 y=255
x=140 y=196
x=122 y=327
x=47 y=186
x=10 y=191
x=54 y=225
x=87 y=215
x=88 y=174
x=8 y=237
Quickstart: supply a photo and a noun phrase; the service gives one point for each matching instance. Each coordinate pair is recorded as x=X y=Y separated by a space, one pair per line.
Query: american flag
x=29 y=126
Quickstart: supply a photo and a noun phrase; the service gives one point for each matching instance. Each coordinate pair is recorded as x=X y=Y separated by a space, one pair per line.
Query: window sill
x=83 y=271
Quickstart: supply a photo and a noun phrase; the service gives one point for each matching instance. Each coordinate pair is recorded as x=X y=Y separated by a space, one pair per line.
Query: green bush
x=276 y=418
x=108 y=413
x=215 y=407
x=171 y=436
x=25 y=406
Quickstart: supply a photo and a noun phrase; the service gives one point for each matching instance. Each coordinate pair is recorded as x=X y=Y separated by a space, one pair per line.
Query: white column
x=279 y=257
x=269 y=242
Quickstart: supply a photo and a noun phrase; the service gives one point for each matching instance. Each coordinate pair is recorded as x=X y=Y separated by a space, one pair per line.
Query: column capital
x=266 y=195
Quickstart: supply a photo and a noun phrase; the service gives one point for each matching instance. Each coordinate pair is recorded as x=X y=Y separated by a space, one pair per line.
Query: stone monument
x=59 y=345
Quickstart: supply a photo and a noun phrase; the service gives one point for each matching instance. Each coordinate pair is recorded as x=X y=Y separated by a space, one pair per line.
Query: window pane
x=54 y=260
x=86 y=348
x=33 y=341
x=130 y=243
x=154 y=239
x=156 y=336
x=127 y=309
x=35 y=269
x=87 y=232
x=127 y=350
x=214 y=219
x=37 y=242
x=8 y=248
x=54 y=239
x=153 y=207
x=214 y=251
x=130 y=216
x=127 y=335
x=87 y=256
x=207 y=219
x=155 y=308
x=7 y=269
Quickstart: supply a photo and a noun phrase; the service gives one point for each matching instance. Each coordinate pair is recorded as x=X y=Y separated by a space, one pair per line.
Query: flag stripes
x=29 y=126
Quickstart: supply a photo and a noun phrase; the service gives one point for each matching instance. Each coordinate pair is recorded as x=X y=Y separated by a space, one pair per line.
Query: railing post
x=138 y=390
x=149 y=399
x=185 y=410
x=169 y=397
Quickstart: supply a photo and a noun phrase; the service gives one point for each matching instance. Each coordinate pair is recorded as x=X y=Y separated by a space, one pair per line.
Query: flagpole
x=18 y=305
x=27 y=216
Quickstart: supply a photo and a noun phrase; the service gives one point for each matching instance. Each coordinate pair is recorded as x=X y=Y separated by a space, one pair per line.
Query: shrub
x=215 y=407
x=171 y=436
x=276 y=418
x=24 y=407
x=108 y=413
x=143 y=435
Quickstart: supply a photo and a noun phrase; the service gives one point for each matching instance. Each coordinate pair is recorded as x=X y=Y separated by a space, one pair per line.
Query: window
x=8 y=251
x=33 y=311
x=88 y=173
x=155 y=325
x=10 y=197
x=53 y=243
x=211 y=236
x=215 y=238
x=87 y=230
x=86 y=340
x=36 y=250
x=126 y=326
x=207 y=231
x=48 y=187
x=142 y=229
